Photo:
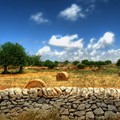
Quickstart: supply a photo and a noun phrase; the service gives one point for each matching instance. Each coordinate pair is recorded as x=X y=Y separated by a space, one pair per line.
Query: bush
x=118 y=63
x=75 y=62
x=80 y=66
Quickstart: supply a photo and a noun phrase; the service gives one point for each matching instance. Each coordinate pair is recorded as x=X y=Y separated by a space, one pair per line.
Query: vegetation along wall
x=73 y=103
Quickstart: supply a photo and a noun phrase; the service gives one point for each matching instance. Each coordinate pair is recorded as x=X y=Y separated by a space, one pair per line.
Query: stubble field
x=77 y=78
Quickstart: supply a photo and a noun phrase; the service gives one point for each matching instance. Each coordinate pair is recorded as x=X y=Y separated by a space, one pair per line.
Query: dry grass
x=80 y=78
x=34 y=114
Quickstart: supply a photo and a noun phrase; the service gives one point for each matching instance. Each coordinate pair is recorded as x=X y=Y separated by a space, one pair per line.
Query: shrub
x=80 y=66
x=118 y=63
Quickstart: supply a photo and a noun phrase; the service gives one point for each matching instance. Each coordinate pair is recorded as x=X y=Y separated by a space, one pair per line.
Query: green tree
x=66 y=62
x=81 y=66
x=118 y=63
x=108 y=62
x=85 y=62
x=49 y=64
x=34 y=60
x=12 y=54
x=91 y=63
x=56 y=63
x=75 y=62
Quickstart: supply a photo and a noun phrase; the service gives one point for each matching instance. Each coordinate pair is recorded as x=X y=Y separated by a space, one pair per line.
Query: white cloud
x=70 y=51
x=68 y=41
x=75 y=11
x=38 y=18
x=72 y=13
x=107 y=39
x=44 y=50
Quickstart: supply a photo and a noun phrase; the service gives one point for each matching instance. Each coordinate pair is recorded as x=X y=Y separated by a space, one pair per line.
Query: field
x=77 y=78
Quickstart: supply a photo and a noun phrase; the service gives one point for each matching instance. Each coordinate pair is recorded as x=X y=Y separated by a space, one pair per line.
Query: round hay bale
x=62 y=76
x=37 y=83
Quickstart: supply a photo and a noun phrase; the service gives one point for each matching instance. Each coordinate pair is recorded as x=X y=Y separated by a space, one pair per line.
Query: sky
x=63 y=29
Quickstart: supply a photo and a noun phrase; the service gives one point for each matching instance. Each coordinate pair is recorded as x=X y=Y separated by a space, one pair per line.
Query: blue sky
x=63 y=29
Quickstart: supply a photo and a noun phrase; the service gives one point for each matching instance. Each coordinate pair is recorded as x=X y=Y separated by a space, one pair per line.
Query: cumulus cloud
x=95 y=50
x=68 y=41
x=44 y=50
x=72 y=13
x=38 y=18
x=107 y=39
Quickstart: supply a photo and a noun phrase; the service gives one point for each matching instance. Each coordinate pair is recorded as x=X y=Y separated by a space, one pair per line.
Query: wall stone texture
x=72 y=102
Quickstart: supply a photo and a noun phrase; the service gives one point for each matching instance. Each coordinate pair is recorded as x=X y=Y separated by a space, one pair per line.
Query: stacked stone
x=73 y=103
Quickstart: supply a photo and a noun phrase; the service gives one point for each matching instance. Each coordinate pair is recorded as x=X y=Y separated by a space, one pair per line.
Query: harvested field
x=77 y=78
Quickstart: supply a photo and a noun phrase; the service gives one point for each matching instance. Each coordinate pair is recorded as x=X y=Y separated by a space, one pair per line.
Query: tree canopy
x=118 y=63
x=12 y=54
x=33 y=60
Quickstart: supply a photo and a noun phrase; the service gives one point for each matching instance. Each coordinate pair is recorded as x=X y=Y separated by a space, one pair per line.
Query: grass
x=34 y=114
x=77 y=78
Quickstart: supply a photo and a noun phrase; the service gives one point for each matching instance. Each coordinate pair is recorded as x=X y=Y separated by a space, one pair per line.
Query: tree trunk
x=5 y=70
x=21 y=69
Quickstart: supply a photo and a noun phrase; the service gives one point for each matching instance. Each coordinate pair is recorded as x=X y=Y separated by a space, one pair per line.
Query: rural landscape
x=59 y=60
x=83 y=73
x=21 y=71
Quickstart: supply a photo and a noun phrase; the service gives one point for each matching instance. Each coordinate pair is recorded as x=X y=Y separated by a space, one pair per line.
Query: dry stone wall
x=73 y=103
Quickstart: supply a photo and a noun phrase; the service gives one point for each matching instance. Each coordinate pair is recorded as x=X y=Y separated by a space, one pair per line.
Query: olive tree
x=34 y=60
x=12 y=54
x=118 y=63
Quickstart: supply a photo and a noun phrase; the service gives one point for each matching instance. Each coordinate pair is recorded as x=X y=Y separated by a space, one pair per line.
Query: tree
x=50 y=64
x=66 y=62
x=12 y=54
x=91 y=63
x=118 y=63
x=85 y=62
x=107 y=62
x=56 y=63
x=75 y=62
x=34 y=60
x=80 y=66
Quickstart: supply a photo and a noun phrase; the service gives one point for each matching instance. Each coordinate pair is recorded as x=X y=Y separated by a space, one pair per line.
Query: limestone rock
x=112 y=108
x=81 y=107
x=79 y=113
x=90 y=115
x=98 y=111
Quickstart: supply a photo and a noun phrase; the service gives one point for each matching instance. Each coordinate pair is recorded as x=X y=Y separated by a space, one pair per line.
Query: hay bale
x=62 y=76
x=37 y=83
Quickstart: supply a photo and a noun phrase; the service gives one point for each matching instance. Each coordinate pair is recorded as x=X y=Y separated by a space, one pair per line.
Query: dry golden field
x=77 y=78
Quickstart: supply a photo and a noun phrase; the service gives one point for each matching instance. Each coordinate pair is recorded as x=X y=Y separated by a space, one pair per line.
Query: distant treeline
x=36 y=61
x=15 y=55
